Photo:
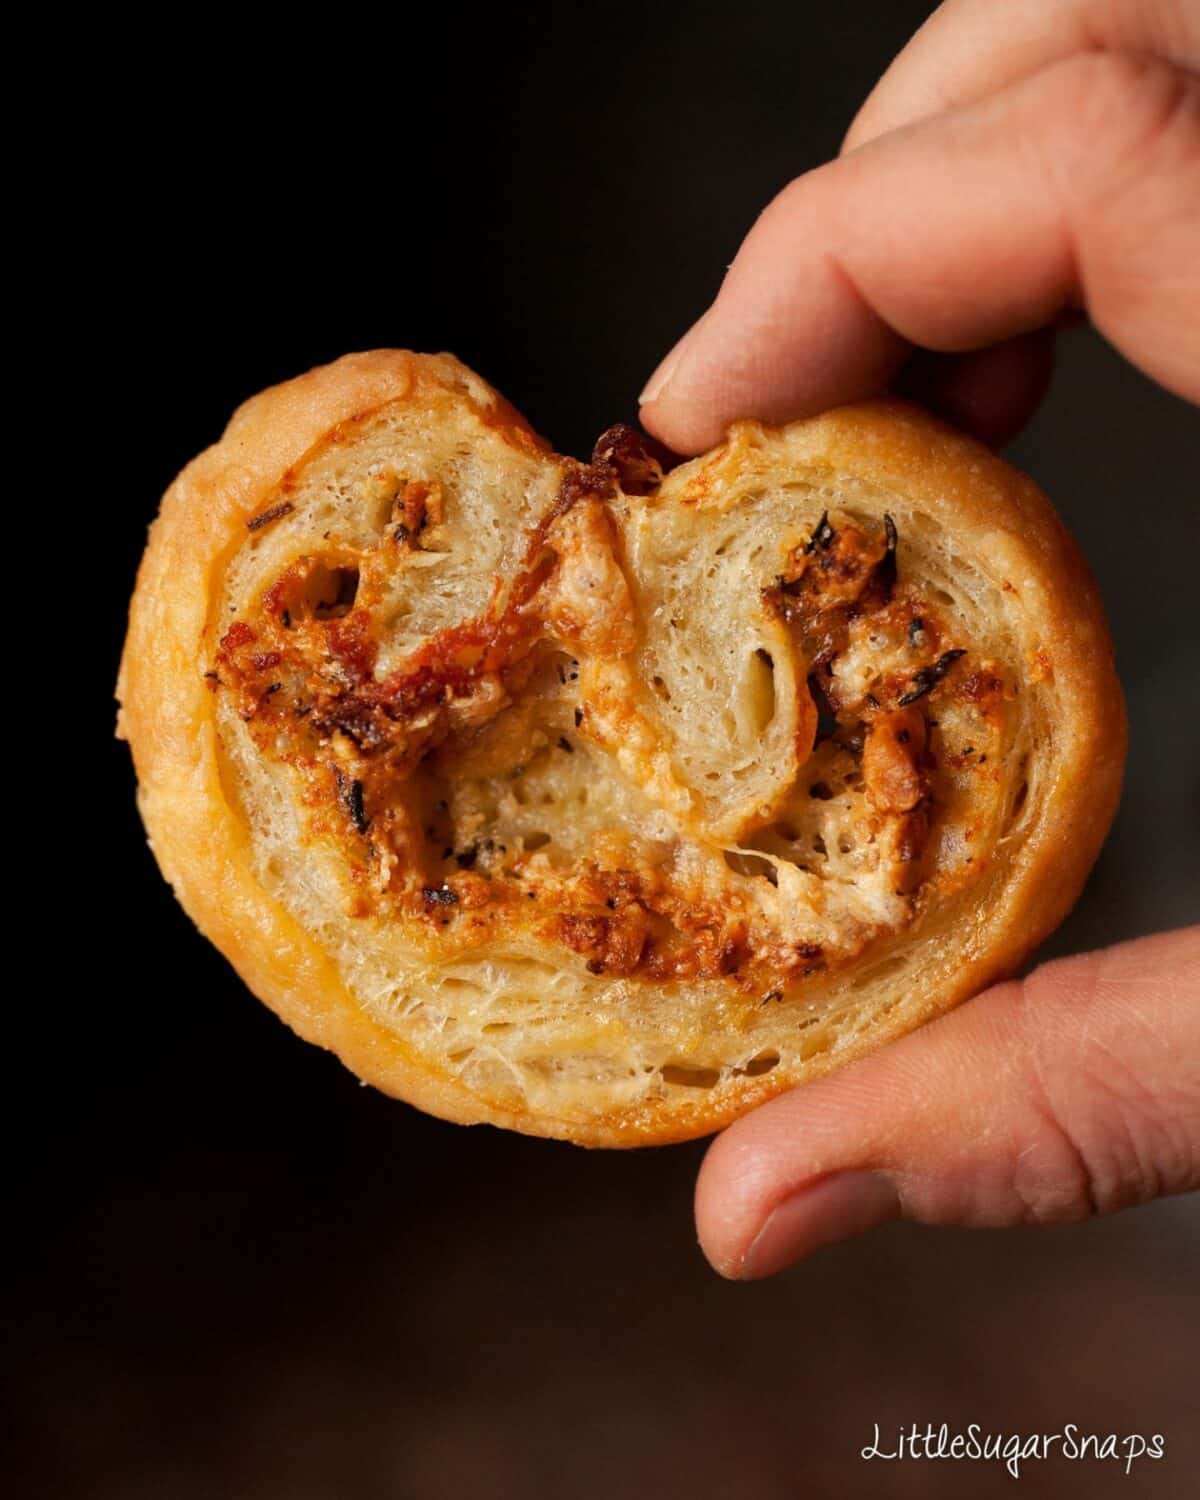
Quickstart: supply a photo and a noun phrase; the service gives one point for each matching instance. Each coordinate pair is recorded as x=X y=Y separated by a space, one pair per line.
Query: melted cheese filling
x=520 y=769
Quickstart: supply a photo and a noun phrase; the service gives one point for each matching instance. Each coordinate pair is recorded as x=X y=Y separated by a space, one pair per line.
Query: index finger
x=1074 y=186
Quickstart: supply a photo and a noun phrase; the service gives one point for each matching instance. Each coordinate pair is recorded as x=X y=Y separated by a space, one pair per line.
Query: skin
x=1016 y=167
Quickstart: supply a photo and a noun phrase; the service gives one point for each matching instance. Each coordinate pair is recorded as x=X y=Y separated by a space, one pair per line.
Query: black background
x=243 y=1274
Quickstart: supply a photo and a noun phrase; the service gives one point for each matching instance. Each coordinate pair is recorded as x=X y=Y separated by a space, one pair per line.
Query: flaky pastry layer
x=600 y=802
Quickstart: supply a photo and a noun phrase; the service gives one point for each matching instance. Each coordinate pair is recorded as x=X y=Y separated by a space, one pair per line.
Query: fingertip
x=665 y=370
x=761 y=1200
x=683 y=426
x=727 y=1198
x=754 y=1217
x=682 y=431
x=728 y=372
x=817 y=1215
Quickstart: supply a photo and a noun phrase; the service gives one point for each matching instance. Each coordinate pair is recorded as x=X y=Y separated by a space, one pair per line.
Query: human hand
x=1016 y=165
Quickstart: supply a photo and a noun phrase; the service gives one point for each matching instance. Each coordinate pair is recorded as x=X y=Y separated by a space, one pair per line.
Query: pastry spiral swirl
x=598 y=802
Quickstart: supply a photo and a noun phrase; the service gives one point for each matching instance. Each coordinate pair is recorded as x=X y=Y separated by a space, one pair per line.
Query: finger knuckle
x=1117 y=1137
x=1134 y=105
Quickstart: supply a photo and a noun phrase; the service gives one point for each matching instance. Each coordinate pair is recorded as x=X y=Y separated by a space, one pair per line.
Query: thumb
x=1075 y=1091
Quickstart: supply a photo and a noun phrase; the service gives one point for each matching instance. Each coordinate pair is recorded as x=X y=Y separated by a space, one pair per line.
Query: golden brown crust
x=167 y=712
x=202 y=841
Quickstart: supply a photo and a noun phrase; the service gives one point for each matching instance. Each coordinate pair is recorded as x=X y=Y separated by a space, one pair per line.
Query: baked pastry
x=598 y=802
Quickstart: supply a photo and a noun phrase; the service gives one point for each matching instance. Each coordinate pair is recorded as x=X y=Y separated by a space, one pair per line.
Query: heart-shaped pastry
x=598 y=802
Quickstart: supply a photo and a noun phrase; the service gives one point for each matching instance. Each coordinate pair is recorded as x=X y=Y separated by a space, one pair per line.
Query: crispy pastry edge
x=167 y=717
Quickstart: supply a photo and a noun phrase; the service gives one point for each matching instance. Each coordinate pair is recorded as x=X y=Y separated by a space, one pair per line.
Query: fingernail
x=666 y=371
x=824 y=1212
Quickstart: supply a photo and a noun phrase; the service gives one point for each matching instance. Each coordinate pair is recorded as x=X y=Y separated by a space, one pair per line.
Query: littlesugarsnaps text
x=1012 y=1449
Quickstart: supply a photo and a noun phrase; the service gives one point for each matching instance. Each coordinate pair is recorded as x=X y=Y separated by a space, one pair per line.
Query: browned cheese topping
x=383 y=754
